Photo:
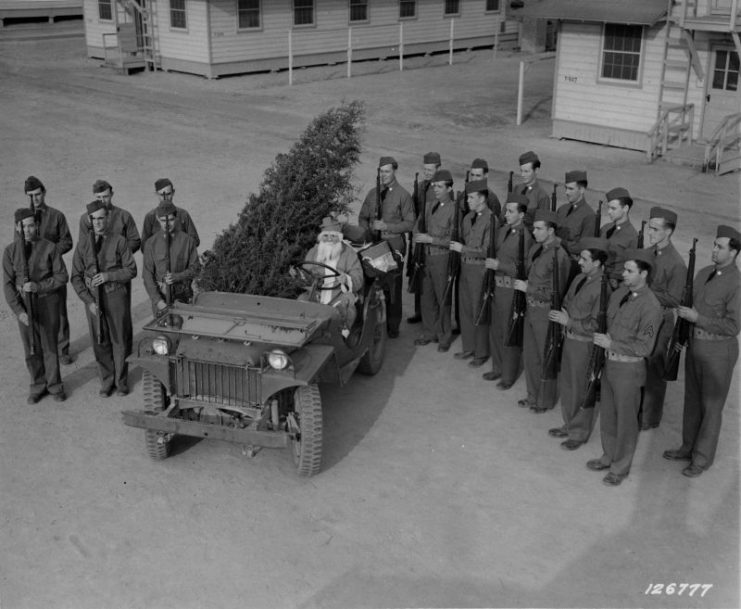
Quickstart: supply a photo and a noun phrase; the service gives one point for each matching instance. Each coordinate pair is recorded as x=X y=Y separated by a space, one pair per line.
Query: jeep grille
x=218 y=383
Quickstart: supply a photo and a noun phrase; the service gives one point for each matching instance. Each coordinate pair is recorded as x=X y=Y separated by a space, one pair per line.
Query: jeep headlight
x=161 y=345
x=278 y=359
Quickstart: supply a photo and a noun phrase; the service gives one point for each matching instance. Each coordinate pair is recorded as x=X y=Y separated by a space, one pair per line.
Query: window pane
x=177 y=14
x=407 y=8
x=104 y=9
x=622 y=51
x=451 y=7
x=303 y=12
x=492 y=5
x=249 y=13
x=358 y=10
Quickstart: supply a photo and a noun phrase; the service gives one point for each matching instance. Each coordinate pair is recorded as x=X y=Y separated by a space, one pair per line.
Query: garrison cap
x=162 y=183
x=528 y=157
x=617 y=193
x=23 y=213
x=442 y=175
x=515 y=197
x=728 y=231
x=32 y=183
x=431 y=157
x=544 y=215
x=480 y=164
x=94 y=206
x=477 y=186
x=593 y=243
x=575 y=175
x=165 y=209
x=388 y=160
x=101 y=186
x=644 y=255
x=666 y=214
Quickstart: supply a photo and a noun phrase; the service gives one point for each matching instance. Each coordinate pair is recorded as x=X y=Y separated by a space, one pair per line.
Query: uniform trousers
x=436 y=322
x=506 y=361
x=44 y=365
x=474 y=338
x=117 y=342
x=540 y=393
x=577 y=421
x=708 y=370
x=63 y=338
x=652 y=405
x=621 y=398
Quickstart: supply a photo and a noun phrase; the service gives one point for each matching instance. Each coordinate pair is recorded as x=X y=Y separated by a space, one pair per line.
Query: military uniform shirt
x=120 y=222
x=623 y=237
x=583 y=306
x=52 y=226
x=114 y=258
x=575 y=225
x=476 y=237
x=537 y=198
x=439 y=226
x=184 y=264
x=152 y=226
x=718 y=301
x=397 y=211
x=668 y=275
x=508 y=244
x=540 y=270
x=634 y=325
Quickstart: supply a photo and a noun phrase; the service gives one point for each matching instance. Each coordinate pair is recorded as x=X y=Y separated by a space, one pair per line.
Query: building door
x=724 y=93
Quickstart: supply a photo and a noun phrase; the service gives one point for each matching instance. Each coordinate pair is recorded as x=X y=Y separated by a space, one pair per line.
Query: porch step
x=689 y=155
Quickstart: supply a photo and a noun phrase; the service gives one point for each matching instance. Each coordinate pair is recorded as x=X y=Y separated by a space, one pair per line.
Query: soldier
x=575 y=218
x=475 y=240
x=33 y=276
x=182 y=259
x=165 y=192
x=480 y=171
x=118 y=220
x=52 y=226
x=394 y=219
x=621 y=235
x=426 y=199
x=633 y=318
x=667 y=283
x=579 y=316
x=542 y=394
x=438 y=224
x=712 y=353
x=537 y=197
x=102 y=268
x=506 y=362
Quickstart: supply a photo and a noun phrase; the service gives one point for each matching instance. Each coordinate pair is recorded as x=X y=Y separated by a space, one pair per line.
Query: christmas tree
x=279 y=224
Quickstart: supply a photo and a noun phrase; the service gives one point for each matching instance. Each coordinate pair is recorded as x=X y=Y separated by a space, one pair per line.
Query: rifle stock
x=418 y=258
x=554 y=337
x=98 y=321
x=28 y=298
x=519 y=300
x=641 y=237
x=483 y=317
x=510 y=183
x=597 y=357
x=598 y=219
x=681 y=333
x=554 y=197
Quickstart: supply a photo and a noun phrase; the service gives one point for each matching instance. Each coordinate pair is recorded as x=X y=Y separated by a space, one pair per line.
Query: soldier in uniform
x=475 y=241
x=542 y=394
x=165 y=192
x=34 y=273
x=633 y=318
x=575 y=218
x=438 y=224
x=506 y=362
x=394 y=219
x=712 y=353
x=480 y=171
x=102 y=268
x=183 y=261
x=667 y=283
x=579 y=316
x=621 y=235
x=426 y=199
x=536 y=195
x=118 y=220
x=52 y=226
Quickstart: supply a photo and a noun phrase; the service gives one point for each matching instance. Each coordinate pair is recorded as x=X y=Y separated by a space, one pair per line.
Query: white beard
x=329 y=253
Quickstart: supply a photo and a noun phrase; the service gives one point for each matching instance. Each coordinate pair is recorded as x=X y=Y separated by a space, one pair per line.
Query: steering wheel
x=317 y=281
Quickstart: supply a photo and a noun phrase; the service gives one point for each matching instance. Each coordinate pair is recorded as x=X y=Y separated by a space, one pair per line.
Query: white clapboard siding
x=95 y=27
x=190 y=44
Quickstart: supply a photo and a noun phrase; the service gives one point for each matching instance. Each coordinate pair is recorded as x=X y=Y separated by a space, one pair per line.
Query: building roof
x=634 y=12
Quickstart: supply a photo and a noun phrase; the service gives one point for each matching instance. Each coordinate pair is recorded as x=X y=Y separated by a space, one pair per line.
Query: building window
x=492 y=6
x=248 y=14
x=407 y=8
x=358 y=10
x=725 y=75
x=303 y=12
x=621 y=51
x=104 y=10
x=452 y=7
x=177 y=14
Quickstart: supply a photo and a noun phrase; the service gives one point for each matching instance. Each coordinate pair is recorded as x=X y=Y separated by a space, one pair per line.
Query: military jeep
x=246 y=368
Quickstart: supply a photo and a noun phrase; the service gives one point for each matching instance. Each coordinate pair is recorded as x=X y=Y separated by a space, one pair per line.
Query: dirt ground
x=437 y=490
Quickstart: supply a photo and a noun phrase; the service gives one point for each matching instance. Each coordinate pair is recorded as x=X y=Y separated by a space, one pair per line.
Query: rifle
x=554 y=338
x=415 y=282
x=412 y=251
x=597 y=358
x=379 y=206
x=97 y=292
x=519 y=300
x=639 y=243
x=554 y=201
x=454 y=259
x=483 y=318
x=28 y=298
x=510 y=185
x=681 y=333
x=598 y=219
x=168 y=263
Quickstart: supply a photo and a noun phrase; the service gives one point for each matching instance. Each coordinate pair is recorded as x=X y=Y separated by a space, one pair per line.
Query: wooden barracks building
x=219 y=37
x=651 y=75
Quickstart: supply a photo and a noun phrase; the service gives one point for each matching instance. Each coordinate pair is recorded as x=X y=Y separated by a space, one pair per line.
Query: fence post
x=401 y=46
x=520 y=90
x=450 y=44
x=290 y=57
x=349 y=52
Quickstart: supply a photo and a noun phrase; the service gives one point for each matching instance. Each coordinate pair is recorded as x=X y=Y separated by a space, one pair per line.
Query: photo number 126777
x=678 y=589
